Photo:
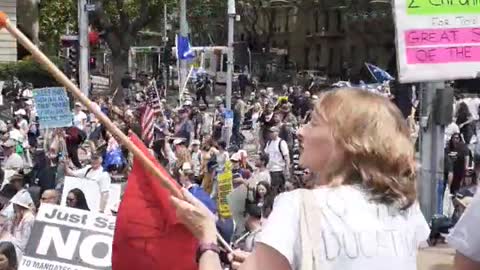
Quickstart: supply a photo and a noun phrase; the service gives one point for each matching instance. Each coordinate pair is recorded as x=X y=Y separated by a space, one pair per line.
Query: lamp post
x=231 y=28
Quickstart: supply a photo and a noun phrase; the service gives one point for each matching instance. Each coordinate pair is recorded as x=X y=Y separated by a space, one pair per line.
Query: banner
x=53 y=107
x=437 y=40
x=91 y=190
x=68 y=238
x=225 y=187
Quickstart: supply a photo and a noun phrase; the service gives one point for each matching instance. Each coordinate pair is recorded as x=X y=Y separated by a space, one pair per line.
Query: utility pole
x=231 y=28
x=431 y=149
x=183 y=63
x=83 y=68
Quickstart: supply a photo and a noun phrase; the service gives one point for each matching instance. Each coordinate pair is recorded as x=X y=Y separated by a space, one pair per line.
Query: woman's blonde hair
x=376 y=145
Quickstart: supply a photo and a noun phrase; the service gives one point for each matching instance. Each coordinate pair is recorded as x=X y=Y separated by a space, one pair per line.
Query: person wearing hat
x=187 y=180
x=196 y=159
x=79 y=117
x=19 y=226
x=279 y=160
x=13 y=161
x=95 y=172
x=184 y=129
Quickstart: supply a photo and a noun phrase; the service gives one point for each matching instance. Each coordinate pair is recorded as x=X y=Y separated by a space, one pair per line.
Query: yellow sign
x=225 y=187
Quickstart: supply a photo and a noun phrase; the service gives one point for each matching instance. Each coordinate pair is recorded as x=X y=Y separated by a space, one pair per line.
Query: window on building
x=331 y=57
x=306 y=63
x=318 y=54
x=340 y=21
x=327 y=21
x=316 y=21
x=287 y=21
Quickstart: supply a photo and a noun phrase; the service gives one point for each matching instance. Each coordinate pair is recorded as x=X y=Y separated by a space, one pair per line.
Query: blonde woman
x=363 y=212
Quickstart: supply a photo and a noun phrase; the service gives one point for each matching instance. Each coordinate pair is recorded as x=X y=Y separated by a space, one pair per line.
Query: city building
x=333 y=36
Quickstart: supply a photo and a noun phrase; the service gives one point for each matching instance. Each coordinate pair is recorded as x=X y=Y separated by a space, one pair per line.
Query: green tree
x=55 y=16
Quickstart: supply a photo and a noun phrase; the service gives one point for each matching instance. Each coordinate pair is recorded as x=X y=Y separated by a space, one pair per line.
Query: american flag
x=148 y=119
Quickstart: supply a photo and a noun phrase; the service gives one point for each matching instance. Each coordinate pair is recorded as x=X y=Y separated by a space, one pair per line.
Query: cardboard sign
x=68 y=238
x=53 y=107
x=437 y=40
x=92 y=192
x=225 y=187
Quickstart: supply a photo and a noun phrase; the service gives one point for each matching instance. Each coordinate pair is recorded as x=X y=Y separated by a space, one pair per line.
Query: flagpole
x=114 y=130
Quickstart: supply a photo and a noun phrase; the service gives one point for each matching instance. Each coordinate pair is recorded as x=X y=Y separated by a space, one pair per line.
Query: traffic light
x=73 y=60
x=92 y=61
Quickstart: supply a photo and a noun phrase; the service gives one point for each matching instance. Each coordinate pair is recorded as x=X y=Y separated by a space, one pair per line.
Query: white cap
x=236 y=157
x=23 y=199
x=196 y=142
x=20 y=112
x=178 y=141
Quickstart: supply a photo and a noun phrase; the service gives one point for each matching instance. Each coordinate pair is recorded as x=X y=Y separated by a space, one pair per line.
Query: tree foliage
x=55 y=16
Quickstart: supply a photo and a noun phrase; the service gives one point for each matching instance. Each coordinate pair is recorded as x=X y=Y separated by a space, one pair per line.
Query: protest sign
x=68 y=238
x=91 y=189
x=53 y=107
x=225 y=187
x=437 y=40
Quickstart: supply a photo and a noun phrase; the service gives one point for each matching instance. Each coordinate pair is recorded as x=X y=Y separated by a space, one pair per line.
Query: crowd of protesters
x=192 y=141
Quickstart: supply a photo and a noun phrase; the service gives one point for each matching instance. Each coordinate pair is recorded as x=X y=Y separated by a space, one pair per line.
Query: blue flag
x=379 y=74
x=184 y=49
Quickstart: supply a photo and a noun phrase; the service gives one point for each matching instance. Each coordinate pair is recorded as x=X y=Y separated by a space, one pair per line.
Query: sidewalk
x=436 y=258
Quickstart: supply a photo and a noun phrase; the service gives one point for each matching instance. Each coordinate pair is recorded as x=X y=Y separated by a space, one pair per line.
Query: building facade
x=8 y=45
x=333 y=36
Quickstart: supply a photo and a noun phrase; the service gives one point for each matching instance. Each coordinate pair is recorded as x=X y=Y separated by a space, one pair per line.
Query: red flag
x=147 y=234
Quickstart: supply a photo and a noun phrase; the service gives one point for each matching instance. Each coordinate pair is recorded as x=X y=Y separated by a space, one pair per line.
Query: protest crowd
x=235 y=174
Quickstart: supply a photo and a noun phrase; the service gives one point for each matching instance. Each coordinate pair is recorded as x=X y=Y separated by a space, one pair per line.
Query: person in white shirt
x=363 y=212
x=79 y=117
x=13 y=161
x=466 y=239
x=279 y=160
x=96 y=173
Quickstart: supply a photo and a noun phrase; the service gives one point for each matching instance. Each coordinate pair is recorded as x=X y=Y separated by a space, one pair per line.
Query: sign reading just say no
x=437 y=39
x=67 y=238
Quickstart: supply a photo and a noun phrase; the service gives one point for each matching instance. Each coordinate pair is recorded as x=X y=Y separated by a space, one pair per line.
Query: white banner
x=437 y=40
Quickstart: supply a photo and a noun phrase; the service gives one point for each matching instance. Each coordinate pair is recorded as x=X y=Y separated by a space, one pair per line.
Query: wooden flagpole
x=114 y=130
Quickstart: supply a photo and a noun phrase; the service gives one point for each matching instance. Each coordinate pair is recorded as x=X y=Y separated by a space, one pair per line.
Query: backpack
x=279 y=147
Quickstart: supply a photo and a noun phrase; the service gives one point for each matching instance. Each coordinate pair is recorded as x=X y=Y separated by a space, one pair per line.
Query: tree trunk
x=120 y=67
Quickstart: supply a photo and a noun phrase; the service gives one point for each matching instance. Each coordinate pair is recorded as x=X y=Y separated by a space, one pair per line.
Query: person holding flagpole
x=363 y=212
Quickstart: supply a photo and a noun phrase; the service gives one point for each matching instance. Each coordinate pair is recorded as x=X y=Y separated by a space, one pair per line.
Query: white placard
x=437 y=40
x=89 y=187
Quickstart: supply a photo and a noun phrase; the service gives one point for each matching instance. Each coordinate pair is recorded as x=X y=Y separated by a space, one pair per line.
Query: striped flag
x=152 y=107
x=148 y=120
x=153 y=99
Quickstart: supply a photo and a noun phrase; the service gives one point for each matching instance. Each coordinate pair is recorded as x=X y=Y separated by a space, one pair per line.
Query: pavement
x=436 y=258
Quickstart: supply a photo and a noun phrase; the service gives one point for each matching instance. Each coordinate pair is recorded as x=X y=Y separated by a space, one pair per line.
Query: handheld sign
x=53 y=107
x=437 y=40
x=68 y=238
x=225 y=187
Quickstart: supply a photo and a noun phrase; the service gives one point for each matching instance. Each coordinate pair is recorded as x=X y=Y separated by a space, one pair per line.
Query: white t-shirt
x=14 y=162
x=472 y=104
x=99 y=175
x=276 y=161
x=353 y=232
x=465 y=237
x=78 y=119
